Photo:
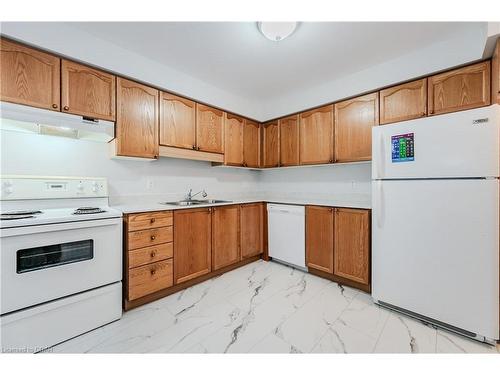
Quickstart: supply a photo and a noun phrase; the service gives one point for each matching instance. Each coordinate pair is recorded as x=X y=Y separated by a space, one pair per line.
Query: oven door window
x=37 y=258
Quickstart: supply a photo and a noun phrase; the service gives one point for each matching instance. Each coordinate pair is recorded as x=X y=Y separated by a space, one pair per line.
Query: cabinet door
x=289 y=141
x=459 y=89
x=354 y=119
x=352 y=244
x=177 y=121
x=251 y=144
x=136 y=120
x=29 y=76
x=403 y=102
x=495 y=74
x=192 y=243
x=87 y=92
x=251 y=228
x=316 y=136
x=270 y=145
x=233 y=140
x=209 y=129
x=225 y=236
x=319 y=238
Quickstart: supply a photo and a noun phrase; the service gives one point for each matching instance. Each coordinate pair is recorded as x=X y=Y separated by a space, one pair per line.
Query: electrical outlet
x=149 y=184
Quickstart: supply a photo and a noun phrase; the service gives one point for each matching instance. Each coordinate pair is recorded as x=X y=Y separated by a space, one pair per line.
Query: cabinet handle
x=198 y=148
x=152 y=220
x=193 y=147
x=153 y=271
x=431 y=111
x=153 y=254
x=153 y=238
x=54 y=105
x=66 y=108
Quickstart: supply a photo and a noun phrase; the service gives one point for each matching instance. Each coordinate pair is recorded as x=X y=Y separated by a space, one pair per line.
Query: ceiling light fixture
x=277 y=31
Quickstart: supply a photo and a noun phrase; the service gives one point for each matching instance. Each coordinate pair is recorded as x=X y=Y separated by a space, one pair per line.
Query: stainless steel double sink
x=195 y=202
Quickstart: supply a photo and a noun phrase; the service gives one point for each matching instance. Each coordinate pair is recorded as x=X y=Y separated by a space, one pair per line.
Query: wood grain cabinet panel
x=233 y=140
x=177 y=121
x=29 y=76
x=354 y=119
x=251 y=144
x=319 y=238
x=149 y=220
x=495 y=74
x=149 y=237
x=136 y=120
x=403 y=102
x=225 y=236
x=316 y=136
x=87 y=92
x=192 y=243
x=270 y=145
x=251 y=229
x=209 y=129
x=352 y=244
x=150 y=254
x=459 y=89
x=149 y=279
x=289 y=141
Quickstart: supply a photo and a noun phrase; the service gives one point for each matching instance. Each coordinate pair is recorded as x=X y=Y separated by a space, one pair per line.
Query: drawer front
x=149 y=220
x=149 y=237
x=149 y=279
x=150 y=254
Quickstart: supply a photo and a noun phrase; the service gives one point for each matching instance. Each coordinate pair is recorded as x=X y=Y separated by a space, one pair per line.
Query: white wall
x=46 y=155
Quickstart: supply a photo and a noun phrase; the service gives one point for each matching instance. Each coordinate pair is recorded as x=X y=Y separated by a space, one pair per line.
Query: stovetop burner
x=14 y=215
x=88 y=210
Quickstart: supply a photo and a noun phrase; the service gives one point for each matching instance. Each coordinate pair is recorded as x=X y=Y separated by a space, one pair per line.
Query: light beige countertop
x=147 y=204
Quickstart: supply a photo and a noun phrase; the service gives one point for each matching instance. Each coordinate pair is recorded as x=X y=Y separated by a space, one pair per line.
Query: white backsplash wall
x=322 y=181
x=165 y=178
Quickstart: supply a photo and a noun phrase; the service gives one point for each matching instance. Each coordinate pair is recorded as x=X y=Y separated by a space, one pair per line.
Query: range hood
x=16 y=117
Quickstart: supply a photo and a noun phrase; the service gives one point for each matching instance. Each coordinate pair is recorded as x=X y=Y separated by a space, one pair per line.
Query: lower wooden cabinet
x=225 y=236
x=192 y=243
x=251 y=229
x=149 y=279
x=338 y=244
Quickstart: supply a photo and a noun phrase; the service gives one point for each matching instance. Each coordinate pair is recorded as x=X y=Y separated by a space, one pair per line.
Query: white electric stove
x=61 y=260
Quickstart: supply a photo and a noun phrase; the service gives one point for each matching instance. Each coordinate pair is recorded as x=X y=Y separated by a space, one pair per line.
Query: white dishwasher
x=286 y=234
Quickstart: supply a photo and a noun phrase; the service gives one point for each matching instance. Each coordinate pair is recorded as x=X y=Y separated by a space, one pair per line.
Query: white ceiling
x=235 y=57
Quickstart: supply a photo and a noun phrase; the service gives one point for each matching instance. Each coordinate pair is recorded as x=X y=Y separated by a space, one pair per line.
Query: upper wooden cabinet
x=495 y=74
x=29 y=76
x=251 y=229
x=233 y=140
x=136 y=120
x=316 y=136
x=319 y=238
x=459 y=89
x=225 y=236
x=270 y=145
x=192 y=243
x=352 y=245
x=403 y=102
x=251 y=144
x=289 y=141
x=177 y=121
x=209 y=129
x=87 y=92
x=354 y=119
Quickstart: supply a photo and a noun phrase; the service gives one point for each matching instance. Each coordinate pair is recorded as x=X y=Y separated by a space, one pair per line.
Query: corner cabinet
x=177 y=121
x=338 y=244
x=459 y=89
x=495 y=74
x=136 y=120
x=316 y=136
x=251 y=144
x=289 y=141
x=354 y=119
x=270 y=145
x=192 y=243
x=403 y=102
x=233 y=140
x=87 y=92
x=225 y=236
x=209 y=129
x=29 y=76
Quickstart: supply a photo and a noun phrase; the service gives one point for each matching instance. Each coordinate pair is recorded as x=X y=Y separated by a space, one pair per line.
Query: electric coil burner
x=14 y=215
x=88 y=210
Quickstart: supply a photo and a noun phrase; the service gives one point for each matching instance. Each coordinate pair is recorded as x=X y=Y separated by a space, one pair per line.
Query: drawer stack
x=149 y=253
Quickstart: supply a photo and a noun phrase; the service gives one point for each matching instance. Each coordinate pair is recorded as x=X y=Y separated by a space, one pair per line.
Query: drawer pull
x=153 y=238
x=153 y=271
x=152 y=220
x=153 y=254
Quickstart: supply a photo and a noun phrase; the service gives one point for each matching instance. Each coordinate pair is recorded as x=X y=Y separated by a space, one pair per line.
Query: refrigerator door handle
x=379 y=204
x=381 y=155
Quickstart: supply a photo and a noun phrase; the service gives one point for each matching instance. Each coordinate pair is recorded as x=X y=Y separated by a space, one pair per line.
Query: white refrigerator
x=435 y=245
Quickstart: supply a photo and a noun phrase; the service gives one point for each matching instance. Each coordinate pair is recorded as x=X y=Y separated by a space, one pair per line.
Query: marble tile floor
x=266 y=307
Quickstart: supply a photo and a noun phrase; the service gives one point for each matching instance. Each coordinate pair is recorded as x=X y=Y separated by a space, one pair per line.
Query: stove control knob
x=80 y=187
x=7 y=187
x=95 y=186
